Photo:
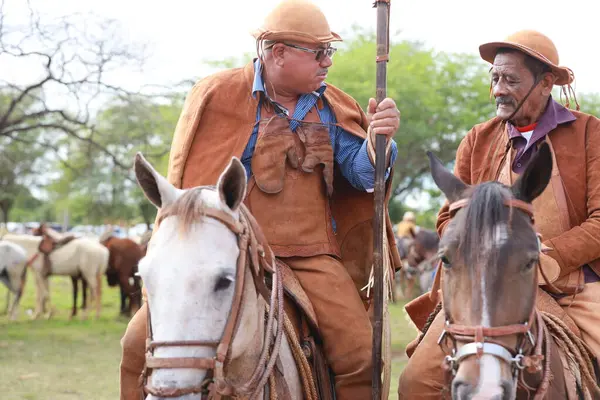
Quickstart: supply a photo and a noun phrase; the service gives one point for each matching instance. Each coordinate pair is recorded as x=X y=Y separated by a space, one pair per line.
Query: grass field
x=59 y=359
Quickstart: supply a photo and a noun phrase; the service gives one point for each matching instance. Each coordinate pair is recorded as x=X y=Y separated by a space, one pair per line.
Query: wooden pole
x=383 y=13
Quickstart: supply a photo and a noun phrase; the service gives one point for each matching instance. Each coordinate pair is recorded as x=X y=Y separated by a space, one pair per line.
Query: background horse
x=418 y=254
x=12 y=273
x=195 y=271
x=81 y=256
x=494 y=336
x=125 y=255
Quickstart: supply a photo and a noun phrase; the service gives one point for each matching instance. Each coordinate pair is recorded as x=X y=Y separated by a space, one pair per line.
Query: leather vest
x=291 y=185
x=551 y=214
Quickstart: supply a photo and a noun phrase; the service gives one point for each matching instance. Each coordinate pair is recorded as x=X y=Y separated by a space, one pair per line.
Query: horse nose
x=509 y=390
x=184 y=397
x=461 y=390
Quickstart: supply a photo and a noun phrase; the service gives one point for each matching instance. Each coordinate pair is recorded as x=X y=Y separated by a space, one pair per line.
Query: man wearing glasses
x=308 y=150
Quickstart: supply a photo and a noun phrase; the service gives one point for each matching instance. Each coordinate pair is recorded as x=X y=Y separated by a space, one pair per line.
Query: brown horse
x=122 y=270
x=417 y=253
x=498 y=343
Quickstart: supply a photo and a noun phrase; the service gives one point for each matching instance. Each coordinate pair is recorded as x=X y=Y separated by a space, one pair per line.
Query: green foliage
x=590 y=103
x=18 y=162
x=440 y=95
x=93 y=189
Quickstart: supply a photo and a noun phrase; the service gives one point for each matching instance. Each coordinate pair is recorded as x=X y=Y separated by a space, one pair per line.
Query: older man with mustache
x=525 y=68
x=308 y=150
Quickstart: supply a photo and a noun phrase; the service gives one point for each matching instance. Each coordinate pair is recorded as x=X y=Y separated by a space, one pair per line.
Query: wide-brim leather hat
x=533 y=44
x=296 y=20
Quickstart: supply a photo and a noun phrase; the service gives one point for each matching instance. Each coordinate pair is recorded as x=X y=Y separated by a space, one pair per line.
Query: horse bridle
x=475 y=336
x=216 y=385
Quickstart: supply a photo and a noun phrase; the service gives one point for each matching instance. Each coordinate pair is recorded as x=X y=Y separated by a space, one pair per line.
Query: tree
x=26 y=207
x=590 y=103
x=74 y=60
x=18 y=162
x=93 y=187
x=440 y=95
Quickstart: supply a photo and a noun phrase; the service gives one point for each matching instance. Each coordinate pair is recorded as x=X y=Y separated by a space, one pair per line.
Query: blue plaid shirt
x=350 y=151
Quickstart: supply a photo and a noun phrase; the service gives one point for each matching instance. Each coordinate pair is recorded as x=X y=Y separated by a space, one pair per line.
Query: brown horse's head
x=40 y=230
x=489 y=252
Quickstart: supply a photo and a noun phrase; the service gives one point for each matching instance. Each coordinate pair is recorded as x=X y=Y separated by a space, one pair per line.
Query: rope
x=308 y=384
x=574 y=348
x=429 y=321
x=386 y=346
x=272 y=388
x=388 y=289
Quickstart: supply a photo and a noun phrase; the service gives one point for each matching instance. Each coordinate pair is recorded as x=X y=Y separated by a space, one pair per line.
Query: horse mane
x=189 y=207
x=486 y=210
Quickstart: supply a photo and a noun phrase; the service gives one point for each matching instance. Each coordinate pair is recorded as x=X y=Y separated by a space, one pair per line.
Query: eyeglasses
x=319 y=53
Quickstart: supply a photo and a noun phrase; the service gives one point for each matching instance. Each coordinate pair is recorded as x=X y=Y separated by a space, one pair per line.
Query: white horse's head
x=189 y=271
x=12 y=268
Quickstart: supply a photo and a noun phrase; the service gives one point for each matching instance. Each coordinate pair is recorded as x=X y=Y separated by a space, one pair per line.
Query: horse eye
x=223 y=283
x=445 y=261
x=532 y=263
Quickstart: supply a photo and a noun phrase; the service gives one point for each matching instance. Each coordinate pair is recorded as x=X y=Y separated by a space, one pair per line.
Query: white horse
x=12 y=273
x=82 y=256
x=190 y=273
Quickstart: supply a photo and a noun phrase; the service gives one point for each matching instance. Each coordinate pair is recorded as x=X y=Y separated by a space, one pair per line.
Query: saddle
x=48 y=245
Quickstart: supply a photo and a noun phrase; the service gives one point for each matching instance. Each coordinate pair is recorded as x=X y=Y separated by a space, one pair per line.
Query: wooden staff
x=383 y=16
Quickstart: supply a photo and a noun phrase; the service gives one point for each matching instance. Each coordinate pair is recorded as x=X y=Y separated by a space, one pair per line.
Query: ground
x=67 y=360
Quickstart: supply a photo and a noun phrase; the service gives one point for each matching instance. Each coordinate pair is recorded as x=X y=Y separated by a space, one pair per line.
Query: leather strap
x=179 y=362
x=480 y=332
x=512 y=203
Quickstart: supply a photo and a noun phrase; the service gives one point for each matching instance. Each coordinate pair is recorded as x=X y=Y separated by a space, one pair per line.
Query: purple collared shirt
x=554 y=115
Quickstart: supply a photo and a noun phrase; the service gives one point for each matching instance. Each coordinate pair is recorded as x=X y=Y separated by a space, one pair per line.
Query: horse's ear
x=232 y=184
x=536 y=176
x=156 y=188
x=412 y=232
x=448 y=183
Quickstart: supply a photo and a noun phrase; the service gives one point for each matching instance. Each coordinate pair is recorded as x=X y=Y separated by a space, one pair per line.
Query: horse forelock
x=190 y=206
x=484 y=229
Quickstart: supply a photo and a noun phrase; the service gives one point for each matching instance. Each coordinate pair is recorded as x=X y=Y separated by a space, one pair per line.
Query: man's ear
x=277 y=52
x=547 y=83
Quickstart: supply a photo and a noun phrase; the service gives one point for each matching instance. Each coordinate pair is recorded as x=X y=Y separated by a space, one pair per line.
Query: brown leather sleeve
x=581 y=244
x=462 y=169
x=133 y=359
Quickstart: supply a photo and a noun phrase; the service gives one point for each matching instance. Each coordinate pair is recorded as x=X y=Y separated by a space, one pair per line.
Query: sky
x=182 y=34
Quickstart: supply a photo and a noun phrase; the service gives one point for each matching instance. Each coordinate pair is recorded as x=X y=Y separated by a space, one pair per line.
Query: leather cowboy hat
x=296 y=20
x=533 y=44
